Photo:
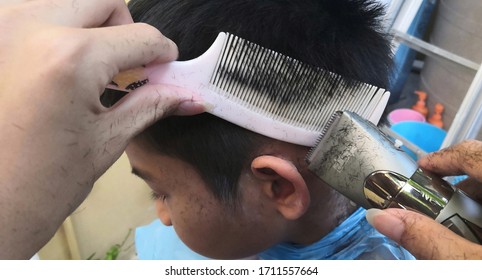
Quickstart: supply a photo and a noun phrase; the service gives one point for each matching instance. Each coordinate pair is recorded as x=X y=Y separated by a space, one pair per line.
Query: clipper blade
x=331 y=121
x=349 y=150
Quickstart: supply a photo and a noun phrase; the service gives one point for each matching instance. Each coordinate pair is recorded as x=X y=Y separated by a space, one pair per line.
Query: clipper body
x=358 y=160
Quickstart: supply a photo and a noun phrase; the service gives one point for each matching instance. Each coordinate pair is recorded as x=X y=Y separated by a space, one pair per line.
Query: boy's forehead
x=142 y=156
x=149 y=164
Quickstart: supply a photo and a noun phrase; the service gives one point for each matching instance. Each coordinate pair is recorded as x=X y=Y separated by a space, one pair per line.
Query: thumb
x=422 y=236
x=144 y=106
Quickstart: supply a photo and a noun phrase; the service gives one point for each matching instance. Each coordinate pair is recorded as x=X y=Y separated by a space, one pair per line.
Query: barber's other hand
x=422 y=236
x=56 y=58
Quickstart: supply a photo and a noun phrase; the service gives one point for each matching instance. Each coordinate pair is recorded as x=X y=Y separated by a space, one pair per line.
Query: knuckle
x=472 y=143
x=155 y=37
x=470 y=152
x=68 y=44
x=62 y=49
x=117 y=3
x=149 y=29
x=68 y=57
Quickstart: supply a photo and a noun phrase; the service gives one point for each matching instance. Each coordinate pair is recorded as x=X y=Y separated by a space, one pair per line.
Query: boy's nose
x=163 y=213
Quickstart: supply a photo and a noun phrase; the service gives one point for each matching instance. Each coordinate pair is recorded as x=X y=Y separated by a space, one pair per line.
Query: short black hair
x=342 y=36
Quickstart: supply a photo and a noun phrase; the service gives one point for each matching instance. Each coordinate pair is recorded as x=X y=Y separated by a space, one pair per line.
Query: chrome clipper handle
x=358 y=160
x=428 y=194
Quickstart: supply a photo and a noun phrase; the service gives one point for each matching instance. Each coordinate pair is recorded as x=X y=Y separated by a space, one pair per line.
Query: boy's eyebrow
x=141 y=174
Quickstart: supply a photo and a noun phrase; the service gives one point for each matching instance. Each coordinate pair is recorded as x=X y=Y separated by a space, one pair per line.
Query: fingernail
x=386 y=223
x=371 y=213
x=171 y=42
x=192 y=107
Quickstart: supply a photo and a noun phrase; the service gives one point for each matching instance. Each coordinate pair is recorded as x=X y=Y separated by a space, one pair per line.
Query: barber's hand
x=56 y=58
x=422 y=236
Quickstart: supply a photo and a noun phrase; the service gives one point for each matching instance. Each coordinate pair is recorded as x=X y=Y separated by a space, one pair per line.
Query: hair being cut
x=342 y=36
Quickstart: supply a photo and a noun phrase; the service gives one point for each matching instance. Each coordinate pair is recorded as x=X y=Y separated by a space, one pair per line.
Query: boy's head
x=229 y=192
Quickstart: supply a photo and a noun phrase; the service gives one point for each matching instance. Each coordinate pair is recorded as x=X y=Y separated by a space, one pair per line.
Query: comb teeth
x=336 y=116
x=285 y=89
x=267 y=92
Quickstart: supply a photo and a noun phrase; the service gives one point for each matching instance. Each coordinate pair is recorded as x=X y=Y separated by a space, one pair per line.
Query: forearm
x=56 y=136
x=36 y=195
x=26 y=228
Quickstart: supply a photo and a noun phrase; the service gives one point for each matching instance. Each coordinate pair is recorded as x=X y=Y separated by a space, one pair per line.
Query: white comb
x=255 y=87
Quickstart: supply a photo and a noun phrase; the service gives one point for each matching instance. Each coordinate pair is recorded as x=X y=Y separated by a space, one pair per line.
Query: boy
x=230 y=193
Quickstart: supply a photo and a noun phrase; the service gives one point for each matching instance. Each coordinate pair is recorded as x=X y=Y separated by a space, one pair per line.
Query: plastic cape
x=156 y=241
x=354 y=239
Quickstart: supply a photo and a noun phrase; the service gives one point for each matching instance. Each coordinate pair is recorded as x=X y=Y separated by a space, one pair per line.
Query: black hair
x=342 y=36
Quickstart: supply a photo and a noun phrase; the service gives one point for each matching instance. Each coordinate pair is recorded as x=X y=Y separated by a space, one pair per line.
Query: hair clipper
x=358 y=160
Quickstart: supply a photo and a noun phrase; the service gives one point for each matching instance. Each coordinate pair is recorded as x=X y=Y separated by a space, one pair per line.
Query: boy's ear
x=283 y=183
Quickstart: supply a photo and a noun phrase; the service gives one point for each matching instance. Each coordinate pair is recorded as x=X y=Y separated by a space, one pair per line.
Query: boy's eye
x=156 y=196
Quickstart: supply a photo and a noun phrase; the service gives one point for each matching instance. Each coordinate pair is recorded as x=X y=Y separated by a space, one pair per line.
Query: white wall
x=119 y=202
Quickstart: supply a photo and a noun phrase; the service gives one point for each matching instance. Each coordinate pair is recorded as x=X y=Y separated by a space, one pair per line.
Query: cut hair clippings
x=262 y=90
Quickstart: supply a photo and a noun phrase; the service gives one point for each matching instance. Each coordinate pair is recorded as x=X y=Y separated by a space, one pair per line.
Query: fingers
x=462 y=158
x=144 y=106
x=106 y=50
x=129 y=46
x=472 y=188
x=119 y=48
x=79 y=13
x=423 y=237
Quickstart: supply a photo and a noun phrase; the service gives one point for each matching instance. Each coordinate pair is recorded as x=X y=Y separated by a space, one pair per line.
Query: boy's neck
x=327 y=210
